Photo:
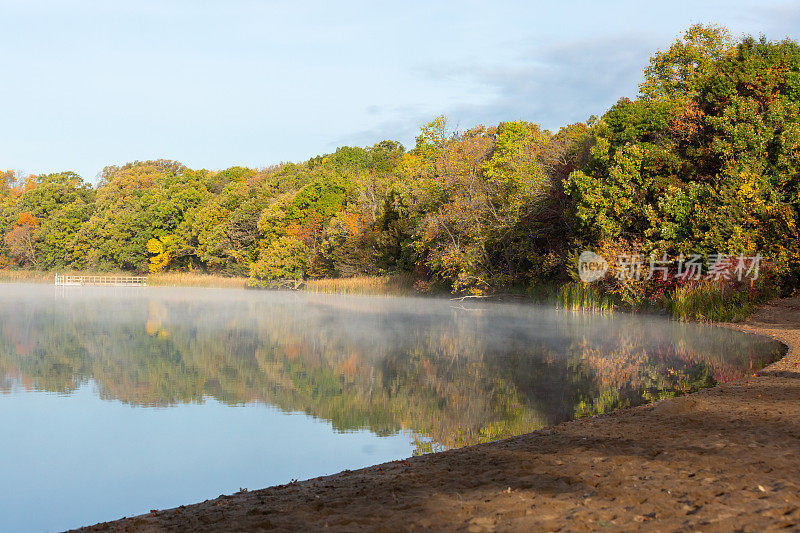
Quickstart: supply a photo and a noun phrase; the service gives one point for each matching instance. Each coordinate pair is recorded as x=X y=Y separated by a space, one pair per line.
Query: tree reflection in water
x=452 y=376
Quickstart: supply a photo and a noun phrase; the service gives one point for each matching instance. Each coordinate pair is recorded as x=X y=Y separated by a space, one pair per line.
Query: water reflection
x=451 y=375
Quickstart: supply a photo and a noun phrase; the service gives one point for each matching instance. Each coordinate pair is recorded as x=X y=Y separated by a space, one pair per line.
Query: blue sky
x=214 y=83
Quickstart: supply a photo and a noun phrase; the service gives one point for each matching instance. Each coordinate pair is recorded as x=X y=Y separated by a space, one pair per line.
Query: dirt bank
x=723 y=459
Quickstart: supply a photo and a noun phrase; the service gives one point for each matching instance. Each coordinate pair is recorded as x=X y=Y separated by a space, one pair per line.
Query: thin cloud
x=552 y=85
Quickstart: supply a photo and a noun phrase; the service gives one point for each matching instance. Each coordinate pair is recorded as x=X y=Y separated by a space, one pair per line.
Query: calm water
x=117 y=401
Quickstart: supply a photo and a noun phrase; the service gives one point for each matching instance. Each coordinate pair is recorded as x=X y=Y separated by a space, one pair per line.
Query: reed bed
x=579 y=296
x=702 y=301
x=388 y=285
x=194 y=279
x=712 y=302
x=26 y=276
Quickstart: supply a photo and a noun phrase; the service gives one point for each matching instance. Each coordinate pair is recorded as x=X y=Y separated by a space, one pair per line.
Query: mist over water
x=117 y=401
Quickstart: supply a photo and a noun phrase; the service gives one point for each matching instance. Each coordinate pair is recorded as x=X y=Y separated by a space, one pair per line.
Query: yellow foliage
x=154 y=246
x=162 y=253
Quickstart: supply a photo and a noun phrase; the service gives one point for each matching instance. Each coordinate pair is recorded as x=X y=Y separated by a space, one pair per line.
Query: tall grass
x=702 y=301
x=26 y=276
x=192 y=279
x=577 y=296
x=388 y=285
x=712 y=302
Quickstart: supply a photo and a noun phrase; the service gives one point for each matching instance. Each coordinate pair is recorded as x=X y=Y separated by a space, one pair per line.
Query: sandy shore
x=723 y=459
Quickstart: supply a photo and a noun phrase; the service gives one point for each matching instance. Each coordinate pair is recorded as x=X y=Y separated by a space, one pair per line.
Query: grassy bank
x=26 y=276
x=715 y=302
x=190 y=279
x=389 y=285
x=703 y=301
x=578 y=296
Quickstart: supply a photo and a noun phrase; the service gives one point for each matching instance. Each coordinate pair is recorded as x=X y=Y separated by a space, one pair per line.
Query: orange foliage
x=27 y=219
x=21 y=239
x=685 y=122
x=17 y=188
x=309 y=232
x=353 y=223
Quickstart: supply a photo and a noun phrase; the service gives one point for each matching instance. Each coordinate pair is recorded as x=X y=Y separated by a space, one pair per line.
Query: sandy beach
x=722 y=459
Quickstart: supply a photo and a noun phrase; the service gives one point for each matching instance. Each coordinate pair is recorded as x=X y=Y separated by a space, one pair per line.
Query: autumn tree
x=21 y=240
x=7 y=180
x=679 y=71
x=282 y=265
x=706 y=160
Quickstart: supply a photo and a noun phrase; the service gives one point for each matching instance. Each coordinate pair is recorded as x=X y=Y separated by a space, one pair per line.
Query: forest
x=704 y=160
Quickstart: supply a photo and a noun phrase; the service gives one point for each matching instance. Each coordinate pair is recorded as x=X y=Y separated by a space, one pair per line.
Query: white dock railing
x=109 y=281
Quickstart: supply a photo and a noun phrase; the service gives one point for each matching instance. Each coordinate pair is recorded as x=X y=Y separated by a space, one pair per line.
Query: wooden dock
x=107 y=281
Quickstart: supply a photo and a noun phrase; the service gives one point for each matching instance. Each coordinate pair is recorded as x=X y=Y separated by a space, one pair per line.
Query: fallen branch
x=469 y=296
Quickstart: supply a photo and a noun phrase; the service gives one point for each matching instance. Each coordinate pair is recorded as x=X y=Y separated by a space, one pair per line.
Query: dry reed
x=388 y=285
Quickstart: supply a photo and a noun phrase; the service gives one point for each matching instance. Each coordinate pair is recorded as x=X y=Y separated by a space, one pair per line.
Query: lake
x=114 y=402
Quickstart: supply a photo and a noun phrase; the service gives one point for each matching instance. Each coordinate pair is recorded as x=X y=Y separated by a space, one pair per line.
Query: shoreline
x=720 y=459
x=401 y=285
x=169 y=279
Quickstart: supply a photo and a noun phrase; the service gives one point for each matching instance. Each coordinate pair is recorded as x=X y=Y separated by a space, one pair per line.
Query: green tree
x=678 y=71
x=282 y=264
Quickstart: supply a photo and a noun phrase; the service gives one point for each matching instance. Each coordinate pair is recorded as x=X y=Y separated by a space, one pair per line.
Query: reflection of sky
x=76 y=460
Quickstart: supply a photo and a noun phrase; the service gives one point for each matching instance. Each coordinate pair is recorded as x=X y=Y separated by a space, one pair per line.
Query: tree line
x=704 y=160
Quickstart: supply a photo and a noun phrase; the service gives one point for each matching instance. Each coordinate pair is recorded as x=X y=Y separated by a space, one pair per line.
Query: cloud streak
x=562 y=82
x=552 y=85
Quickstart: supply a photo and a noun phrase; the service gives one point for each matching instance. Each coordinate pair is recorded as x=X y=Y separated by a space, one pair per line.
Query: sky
x=217 y=83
